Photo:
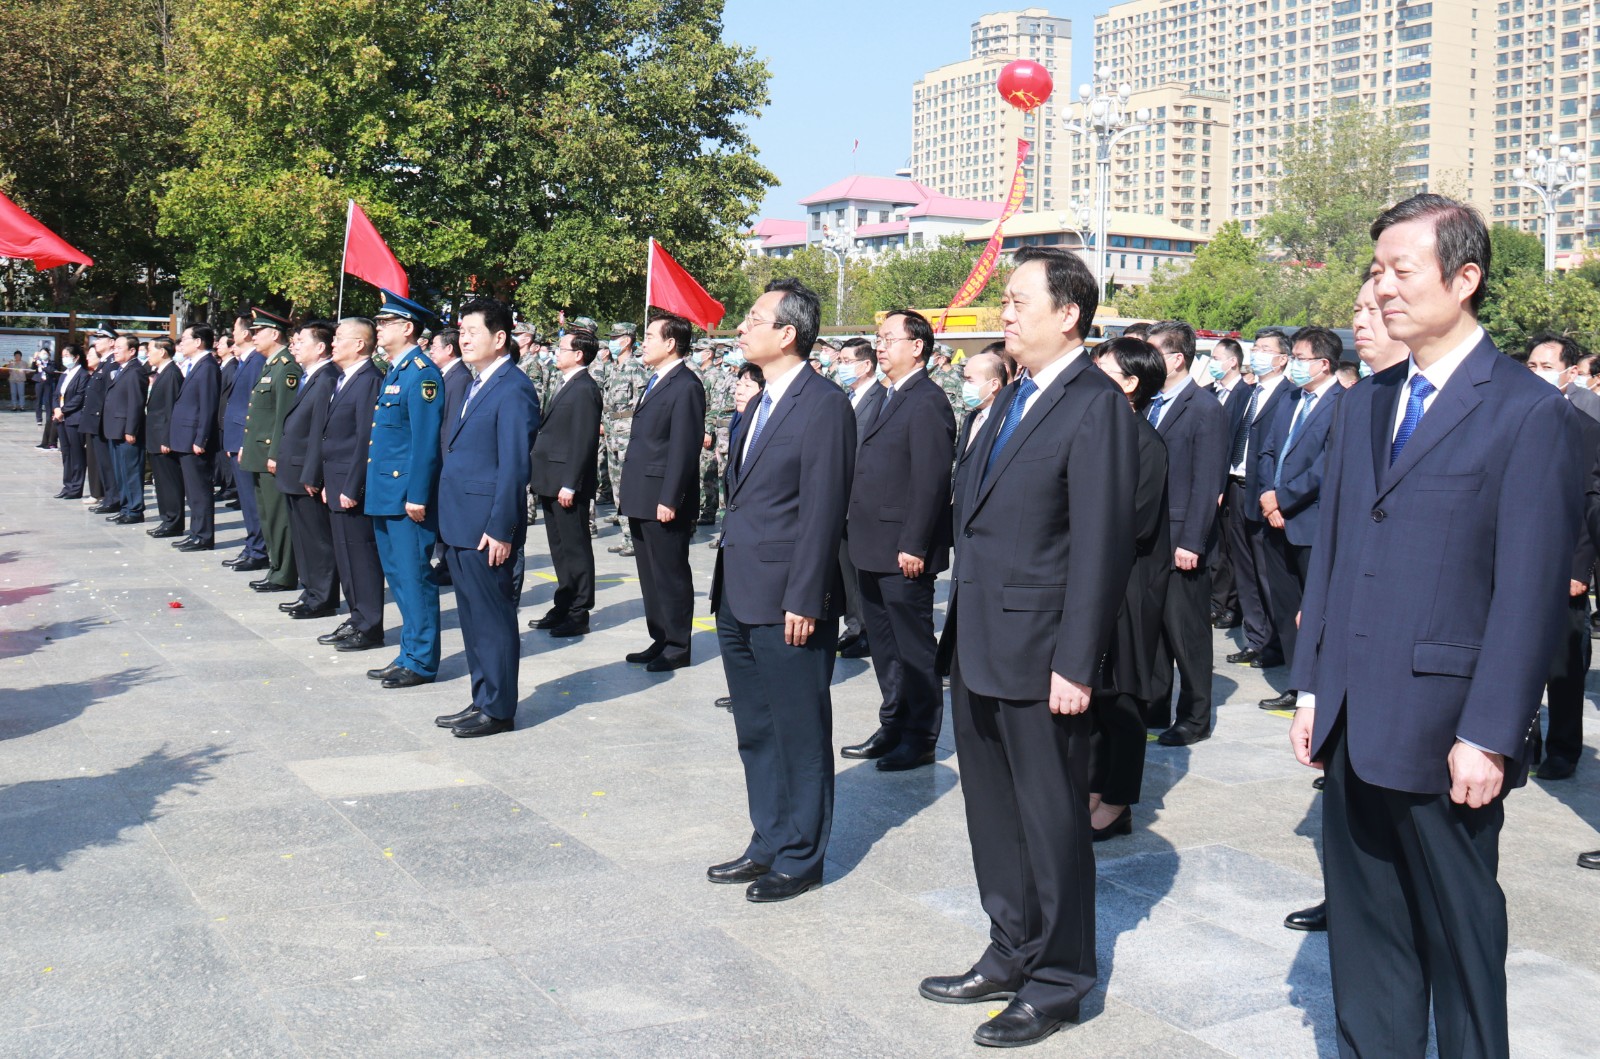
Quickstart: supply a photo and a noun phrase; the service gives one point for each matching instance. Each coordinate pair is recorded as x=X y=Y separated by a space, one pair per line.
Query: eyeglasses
x=756 y=321
x=884 y=341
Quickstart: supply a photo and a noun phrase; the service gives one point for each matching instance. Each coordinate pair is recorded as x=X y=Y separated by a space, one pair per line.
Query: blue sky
x=843 y=70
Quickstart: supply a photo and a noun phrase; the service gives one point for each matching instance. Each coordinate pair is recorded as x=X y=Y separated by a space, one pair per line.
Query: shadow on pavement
x=31 y=710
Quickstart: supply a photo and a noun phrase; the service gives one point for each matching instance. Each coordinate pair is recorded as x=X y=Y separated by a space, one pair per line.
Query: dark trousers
x=1116 y=748
x=72 y=460
x=255 y=543
x=1413 y=909
x=274 y=513
x=101 y=483
x=1236 y=538
x=1025 y=780
x=783 y=715
x=898 y=612
x=355 y=556
x=661 y=553
x=487 y=609
x=222 y=474
x=197 y=475
x=44 y=401
x=854 y=624
x=311 y=536
x=51 y=435
x=1284 y=571
x=1219 y=560
x=127 y=461
x=1564 y=694
x=166 y=468
x=571 y=553
x=1185 y=643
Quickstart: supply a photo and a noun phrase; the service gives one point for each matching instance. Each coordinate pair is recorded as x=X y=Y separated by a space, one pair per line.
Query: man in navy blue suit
x=1451 y=502
x=254 y=555
x=483 y=514
x=197 y=435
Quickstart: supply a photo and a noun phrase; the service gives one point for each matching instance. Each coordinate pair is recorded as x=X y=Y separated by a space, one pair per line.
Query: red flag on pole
x=23 y=237
x=669 y=286
x=368 y=257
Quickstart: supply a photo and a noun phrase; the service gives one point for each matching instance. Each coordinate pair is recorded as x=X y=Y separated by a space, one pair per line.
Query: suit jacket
x=1138 y=629
x=94 y=400
x=227 y=373
x=1235 y=406
x=165 y=387
x=71 y=398
x=346 y=433
x=195 y=416
x=1438 y=585
x=299 y=458
x=566 y=454
x=483 y=482
x=900 y=495
x=1299 y=480
x=237 y=410
x=1584 y=401
x=786 y=508
x=866 y=407
x=1588 y=549
x=124 y=411
x=457 y=381
x=1253 y=485
x=663 y=461
x=1045 y=539
x=1195 y=429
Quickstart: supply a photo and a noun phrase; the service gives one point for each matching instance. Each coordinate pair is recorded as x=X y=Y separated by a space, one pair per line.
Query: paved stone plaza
x=219 y=839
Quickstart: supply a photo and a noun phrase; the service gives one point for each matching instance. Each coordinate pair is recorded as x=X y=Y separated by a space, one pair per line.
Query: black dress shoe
x=327 y=610
x=846 y=641
x=450 y=720
x=405 y=678
x=860 y=649
x=1589 y=860
x=361 y=641
x=724 y=703
x=1228 y=619
x=482 y=724
x=104 y=509
x=387 y=671
x=267 y=586
x=1557 y=768
x=69 y=496
x=1181 y=735
x=250 y=566
x=904 y=758
x=194 y=544
x=877 y=744
x=649 y=654
x=1267 y=661
x=742 y=870
x=1122 y=825
x=342 y=633
x=232 y=505
x=293 y=603
x=1318 y=783
x=665 y=664
x=1018 y=1025
x=162 y=532
x=235 y=561
x=969 y=988
x=128 y=520
x=1285 y=701
x=1314 y=919
x=776 y=886
x=1245 y=656
x=551 y=619
x=576 y=625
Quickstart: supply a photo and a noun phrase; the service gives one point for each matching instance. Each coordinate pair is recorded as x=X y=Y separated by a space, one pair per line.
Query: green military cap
x=942 y=350
x=260 y=318
x=585 y=323
x=523 y=327
x=624 y=328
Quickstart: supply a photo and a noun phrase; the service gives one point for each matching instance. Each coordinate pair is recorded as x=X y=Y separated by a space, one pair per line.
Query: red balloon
x=1025 y=84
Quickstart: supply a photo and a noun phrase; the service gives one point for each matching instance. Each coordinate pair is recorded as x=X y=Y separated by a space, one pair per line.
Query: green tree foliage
x=1513 y=252
x=1525 y=303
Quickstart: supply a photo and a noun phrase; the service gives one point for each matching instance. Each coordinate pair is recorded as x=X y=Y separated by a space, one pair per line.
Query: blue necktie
x=472 y=391
x=1154 y=415
x=761 y=421
x=1420 y=389
x=648 y=387
x=1300 y=418
x=1019 y=400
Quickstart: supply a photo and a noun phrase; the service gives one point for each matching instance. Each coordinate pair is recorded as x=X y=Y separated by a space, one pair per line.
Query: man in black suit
x=297 y=473
x=777 y=594
x=101 y=367
x=1269 y=357
x=1229 y=387
x=898 y=532
x=166 y=467
x=1195 y=429
x=445 y=352
x=123 y=427
x=227 y=360
x=1555 y=358
x=563 y=475
x=1043 y=550
x=197 y=434
x=660 y=490
x=855 y=368
x=67 y=414
x=343 y=452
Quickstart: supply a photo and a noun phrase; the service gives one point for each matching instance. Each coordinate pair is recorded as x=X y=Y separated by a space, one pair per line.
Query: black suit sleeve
x=311 y=469
x=827 y=466
x=685 y=433
x=931 y=435
x=583 y=443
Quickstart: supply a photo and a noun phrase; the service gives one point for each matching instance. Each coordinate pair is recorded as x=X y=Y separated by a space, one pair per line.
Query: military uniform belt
x=626 y=413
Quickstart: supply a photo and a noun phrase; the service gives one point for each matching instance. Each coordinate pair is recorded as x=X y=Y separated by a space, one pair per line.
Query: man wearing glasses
x=856 y=369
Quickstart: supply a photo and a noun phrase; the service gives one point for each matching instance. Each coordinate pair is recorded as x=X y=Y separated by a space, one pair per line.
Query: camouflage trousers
x=710 y=481
x=616 y=453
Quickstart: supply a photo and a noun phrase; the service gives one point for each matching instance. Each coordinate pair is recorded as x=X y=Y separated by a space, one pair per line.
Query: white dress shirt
x=1265 y=388
x=1046 y=376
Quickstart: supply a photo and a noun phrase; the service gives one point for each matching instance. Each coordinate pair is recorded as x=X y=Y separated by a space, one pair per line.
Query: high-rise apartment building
x=963 y=134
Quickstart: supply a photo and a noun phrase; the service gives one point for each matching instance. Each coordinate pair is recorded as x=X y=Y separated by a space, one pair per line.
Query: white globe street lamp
x=1550 y=172
x=1102 y=118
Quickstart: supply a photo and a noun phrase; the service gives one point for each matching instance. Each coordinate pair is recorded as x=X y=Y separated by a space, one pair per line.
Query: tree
x=1526 y=303
x=930 y=278
x=1513 y=251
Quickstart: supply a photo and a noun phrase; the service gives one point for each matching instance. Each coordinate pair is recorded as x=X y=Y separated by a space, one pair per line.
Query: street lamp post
x=1075 y=218
x=1550 y=172
x=838 y=244
x=1103 y=119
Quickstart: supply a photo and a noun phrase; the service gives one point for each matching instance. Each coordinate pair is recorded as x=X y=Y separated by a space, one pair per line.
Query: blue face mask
x=1261 y=362
x=733 y=358
x=970 y=395
x=847 y=374
x=1299 y=371
x=615 y=345
x=1365 y=369
x=1216 y=371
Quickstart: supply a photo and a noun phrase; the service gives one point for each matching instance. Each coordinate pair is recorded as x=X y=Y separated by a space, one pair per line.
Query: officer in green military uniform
x=270 y=399
x=620 y=390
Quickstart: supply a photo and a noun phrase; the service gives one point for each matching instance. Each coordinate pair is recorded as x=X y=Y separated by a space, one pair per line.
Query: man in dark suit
x=343 y=483
x=67 y=414
x=1451 y=502
x=777 y=594
x=1195 y=429
x=455 y=377
x=123 y=426
x=166 y=468
x=253 y=557
x=1230 y=389
x=660 y=490
x=297 y=473
x=563 y=475
x=855 y=368
x=483 y=486
x=92 y=422
x=898 y=533
x=1555 y=358
x=1292 y=462
x=227 y=359
x=1044 y=546
x=1269 y=357
x=196 y=435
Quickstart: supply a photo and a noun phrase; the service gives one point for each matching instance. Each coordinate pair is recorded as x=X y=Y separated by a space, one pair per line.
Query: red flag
x=23 y=237
x=368 y=257
x=670 y=287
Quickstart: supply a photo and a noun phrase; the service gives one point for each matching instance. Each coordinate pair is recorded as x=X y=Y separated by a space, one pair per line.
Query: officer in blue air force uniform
x=403 y=486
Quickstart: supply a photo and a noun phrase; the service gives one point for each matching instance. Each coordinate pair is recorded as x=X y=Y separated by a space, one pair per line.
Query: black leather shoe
x=776 y=886
x=1228 y=619
x=576 y=625
x=267 y=586
x=904 y=758
x=649 y=654
x=1589 y=860
x=250 y=566
x=1181 y=735
x=194 y=545
x=232 y=505
x=1285 y=701
x=664 y=664
x=387 y=671
x=303 y=611
x=1122 y=825
x=742 y=870
x=293 y=603
x=405 y=678
x=1556 y=768
x=551 y=619
x=440 y=575
x=104 y=509
x=1319 y=783
x=1267 y=661
x=1244 y=657
x=450 y=720
x=235 y=561
x=161 y=533
x=69 y=496
x=860 y=649
x=724 y=703
x=1314 y=919
x=969 y=988
x=1018 y=1025
x=342 y=633
x=482 y=724
x=128 y=520
x=362 y=641
x=877 y=744
x=847 y=641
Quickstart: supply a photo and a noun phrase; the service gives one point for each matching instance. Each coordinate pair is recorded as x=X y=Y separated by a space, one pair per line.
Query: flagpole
x=649 y=272
x=344 y=255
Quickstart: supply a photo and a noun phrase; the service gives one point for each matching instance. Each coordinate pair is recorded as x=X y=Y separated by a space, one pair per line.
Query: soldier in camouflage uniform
x=718 y=379
x=943 y=372
x=625 y=381
x=598 y=371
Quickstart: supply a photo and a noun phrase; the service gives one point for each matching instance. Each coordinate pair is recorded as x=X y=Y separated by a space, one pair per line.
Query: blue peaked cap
x=395 y=305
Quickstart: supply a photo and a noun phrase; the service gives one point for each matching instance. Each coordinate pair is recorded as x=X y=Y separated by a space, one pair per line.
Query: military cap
x=623 y=327
x=523 y=327
x=402 y=308
x=103 y=332
x=260 y=318
x=585 y=323
x=942 y=350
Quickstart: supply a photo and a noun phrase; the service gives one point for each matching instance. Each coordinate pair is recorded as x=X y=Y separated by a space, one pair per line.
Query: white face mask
x=1553 y=377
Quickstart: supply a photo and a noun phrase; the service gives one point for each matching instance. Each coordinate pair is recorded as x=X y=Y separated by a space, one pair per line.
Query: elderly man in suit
x=855 y=367
x=1044 y=547
x=564 y=476
x=1451 y=503
x=123 y=425
x=166 y=467
x=777 y=594
x=483 y=514
x=898 y=532
x=660 y=490
x=197 y=434
x=297 y=474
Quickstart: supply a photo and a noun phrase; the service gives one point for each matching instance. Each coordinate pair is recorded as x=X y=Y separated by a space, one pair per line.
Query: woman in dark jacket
x=1118 y=743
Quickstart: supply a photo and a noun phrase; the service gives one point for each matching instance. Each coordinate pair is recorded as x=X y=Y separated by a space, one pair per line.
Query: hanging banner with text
x=984 y=267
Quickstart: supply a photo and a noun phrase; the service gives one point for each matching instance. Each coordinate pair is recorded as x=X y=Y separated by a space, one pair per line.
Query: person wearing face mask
x=1555 y=359
x=717 y=378
x=70 y=392
x=624 y=383
x=1228 y=384
x=856 y=369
